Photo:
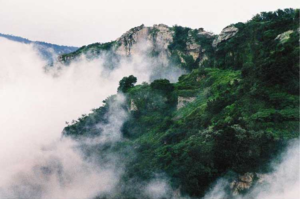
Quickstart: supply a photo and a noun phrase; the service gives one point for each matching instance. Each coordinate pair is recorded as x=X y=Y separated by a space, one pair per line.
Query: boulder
x=133 y=106
x=226 y=34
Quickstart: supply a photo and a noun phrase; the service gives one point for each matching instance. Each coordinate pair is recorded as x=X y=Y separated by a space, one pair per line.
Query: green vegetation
x=180 y=38
x=178 y=47
x=90 y=51
x=126 y=83
x=246 y=108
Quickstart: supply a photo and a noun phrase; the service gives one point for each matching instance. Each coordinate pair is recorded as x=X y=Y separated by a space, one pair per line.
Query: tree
x=126 y=83
x=163 y=85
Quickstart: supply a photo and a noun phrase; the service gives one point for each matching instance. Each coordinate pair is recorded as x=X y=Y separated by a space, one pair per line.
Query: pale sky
x=81 y=22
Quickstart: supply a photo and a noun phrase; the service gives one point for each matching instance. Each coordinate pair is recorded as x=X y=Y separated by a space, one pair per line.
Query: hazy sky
x=81 y=22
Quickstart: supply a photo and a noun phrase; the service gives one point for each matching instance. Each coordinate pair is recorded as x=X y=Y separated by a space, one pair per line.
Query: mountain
x=234 y=110
x=179 y=45
x=47 y=50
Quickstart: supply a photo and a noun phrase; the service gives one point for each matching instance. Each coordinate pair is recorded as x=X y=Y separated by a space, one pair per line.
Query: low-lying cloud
x=36 y=101
x=282 y=183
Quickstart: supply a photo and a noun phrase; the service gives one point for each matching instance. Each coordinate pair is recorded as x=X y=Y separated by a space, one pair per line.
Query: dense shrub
x=126 y=83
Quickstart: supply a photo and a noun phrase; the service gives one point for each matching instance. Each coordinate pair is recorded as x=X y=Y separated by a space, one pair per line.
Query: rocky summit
x=159 y=40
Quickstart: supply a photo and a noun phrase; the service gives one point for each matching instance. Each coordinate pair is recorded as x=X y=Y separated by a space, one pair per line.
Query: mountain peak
x=173 y=45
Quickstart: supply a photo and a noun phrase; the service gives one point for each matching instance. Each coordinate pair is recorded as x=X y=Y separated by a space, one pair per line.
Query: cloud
x=58 y=171
x=35 y=162
x=36 y=100
x=282 y=183
x=157 y=188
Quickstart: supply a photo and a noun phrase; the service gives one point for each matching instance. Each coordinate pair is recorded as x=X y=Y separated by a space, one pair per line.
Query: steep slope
x=172 y=45
x=234 y=111
x=46 y=49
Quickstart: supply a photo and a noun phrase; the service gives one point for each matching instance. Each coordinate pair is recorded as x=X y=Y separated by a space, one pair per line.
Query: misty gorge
x=161 y=112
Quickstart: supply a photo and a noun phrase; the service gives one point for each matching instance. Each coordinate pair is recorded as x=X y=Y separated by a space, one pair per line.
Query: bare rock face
x=146 y=39
x=226 y=34
x=246 y=181
x=284 y=37
x=127 y=43
x=162 y=36
x=182 y=101
x=204 y=57
x=243 y=182
x=192 y=47
x=157 y=39
x=201 y=32
x=153 y=41
x=133 y=106
x=196 y=50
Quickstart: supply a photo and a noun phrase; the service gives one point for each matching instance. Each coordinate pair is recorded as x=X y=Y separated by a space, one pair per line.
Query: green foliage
x=261 y=57
x=163 y=85
x=246 y=108
x=92 y=50
x=179 y=39
x=126 y=83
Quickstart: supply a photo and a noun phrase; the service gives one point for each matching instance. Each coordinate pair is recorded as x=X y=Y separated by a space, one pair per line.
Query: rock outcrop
x=284 y=37
x=246 y=181
x=157 y=39
x=182 y=101
x=226 y=34
x=143 y=39
x=192 y=47
x=162 y=36
x=133 y=106
x=151 y=41
x=243 y=182
x=127 y=43
x=201 y=32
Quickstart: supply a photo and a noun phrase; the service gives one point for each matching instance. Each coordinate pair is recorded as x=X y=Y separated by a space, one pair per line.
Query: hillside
x=234 y=110
x=45 y=49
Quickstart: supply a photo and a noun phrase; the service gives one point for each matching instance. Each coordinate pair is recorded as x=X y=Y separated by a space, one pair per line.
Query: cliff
x=182 y=46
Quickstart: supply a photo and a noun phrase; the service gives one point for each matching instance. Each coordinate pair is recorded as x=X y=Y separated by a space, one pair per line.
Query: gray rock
x=226 y=34
x=284 y=37
x=133 y=106
x=244 y=182
x=143 y=39
x=127 y=42
x=201 y=32
x=182 y=101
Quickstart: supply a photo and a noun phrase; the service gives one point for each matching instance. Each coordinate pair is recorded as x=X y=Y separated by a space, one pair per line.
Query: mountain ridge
x=43 y=47
x=157 y=38
x=228 y=116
